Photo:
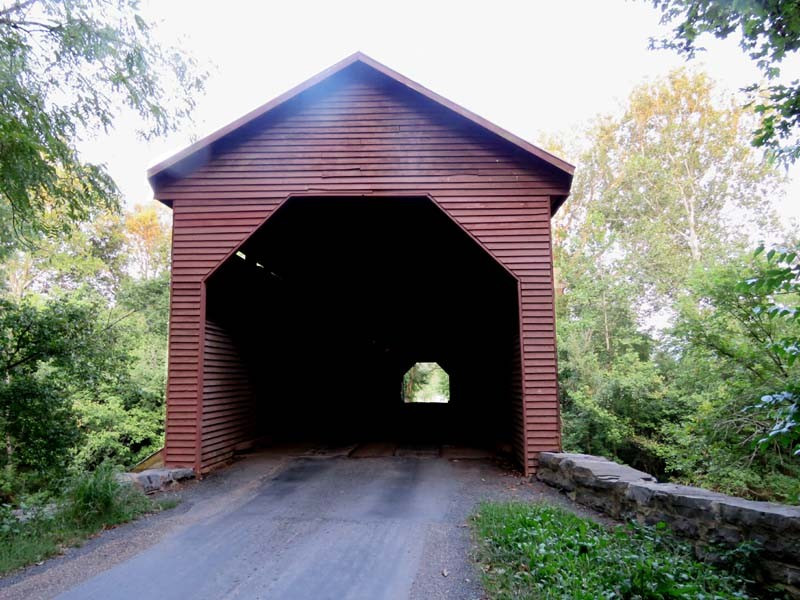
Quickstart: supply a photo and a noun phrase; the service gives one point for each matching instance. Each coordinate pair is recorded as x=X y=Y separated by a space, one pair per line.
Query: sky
x=535 y=68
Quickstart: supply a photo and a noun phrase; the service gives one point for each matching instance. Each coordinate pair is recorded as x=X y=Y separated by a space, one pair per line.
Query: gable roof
x=203 y=144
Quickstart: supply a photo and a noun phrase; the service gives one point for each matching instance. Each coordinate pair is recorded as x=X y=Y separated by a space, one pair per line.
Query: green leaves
x=541 y=552
x=769 y=32
x=654 y=193
x=777 y=290
x=83 y=354
x=780 y=277
x=784 y=409
x=68 y=69
x=39 y=429
x=649 y=220
x=667 y=327
x=44 y=350
x=31 y=336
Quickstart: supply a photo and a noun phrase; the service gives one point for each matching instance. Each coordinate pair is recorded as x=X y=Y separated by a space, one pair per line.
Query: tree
x=105 y=255
x=671 y=180
x=659 y=199
x=777 y=288
x=93 y=255
x=67 y=67
x=426 y=382
x=43 y=350
x=612 y=392
x=769 y=32
x=148 y=241
x=728 y=353
x=95 y=323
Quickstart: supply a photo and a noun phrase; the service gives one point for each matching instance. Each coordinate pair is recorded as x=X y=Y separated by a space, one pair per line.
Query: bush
x=538 y=551
x=115 y=433
x=37 y=425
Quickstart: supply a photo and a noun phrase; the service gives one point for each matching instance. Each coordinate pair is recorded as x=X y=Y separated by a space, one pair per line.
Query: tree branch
x=16 y=7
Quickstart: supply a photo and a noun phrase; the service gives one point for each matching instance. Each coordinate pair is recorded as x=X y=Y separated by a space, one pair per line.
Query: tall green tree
x=664 y=195
x=68 y=68
x=769 y=33
x=612 y=391
x=91 y=255
x=671 y=180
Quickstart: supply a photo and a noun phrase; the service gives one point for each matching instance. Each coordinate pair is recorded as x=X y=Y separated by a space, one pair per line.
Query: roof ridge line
x=206 y=141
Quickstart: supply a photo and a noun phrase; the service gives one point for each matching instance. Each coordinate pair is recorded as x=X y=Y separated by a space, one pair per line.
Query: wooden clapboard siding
x=517 y=411
x=362 y=133
x=226 y=418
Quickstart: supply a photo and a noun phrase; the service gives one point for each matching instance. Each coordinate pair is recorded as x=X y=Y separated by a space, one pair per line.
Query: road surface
x=296 y=528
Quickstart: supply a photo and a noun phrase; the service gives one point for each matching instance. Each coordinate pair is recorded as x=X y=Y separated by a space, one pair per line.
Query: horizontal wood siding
x=517 y=411
x=227 y=419
x=183 y=411
x=363 y=135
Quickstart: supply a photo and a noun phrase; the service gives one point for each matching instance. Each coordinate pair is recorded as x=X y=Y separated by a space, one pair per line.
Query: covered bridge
x=332 y=238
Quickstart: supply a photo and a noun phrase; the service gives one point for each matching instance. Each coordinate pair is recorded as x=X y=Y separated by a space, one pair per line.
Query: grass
x=536 y=551
x=92 y=502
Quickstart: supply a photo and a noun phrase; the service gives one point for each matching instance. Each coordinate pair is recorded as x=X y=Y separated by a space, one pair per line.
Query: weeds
x=535 y=551
x=92 y=502
x=99 y=499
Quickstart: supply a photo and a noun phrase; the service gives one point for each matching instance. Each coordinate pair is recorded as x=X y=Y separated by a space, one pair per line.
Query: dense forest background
x=83 y=318
x=670 y=349
x=677 y=338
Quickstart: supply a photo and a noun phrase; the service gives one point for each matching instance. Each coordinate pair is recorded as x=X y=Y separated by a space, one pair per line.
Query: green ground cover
x=537 y=551
x=91 y=502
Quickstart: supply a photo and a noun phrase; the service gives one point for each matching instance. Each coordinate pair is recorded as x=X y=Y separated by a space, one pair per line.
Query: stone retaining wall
x=154 y=480
x=706 y=517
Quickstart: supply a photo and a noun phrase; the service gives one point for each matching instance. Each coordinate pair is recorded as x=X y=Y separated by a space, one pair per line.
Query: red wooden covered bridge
x=330 y=239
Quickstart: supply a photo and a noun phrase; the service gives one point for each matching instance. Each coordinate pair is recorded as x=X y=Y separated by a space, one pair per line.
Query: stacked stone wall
x=710 y=519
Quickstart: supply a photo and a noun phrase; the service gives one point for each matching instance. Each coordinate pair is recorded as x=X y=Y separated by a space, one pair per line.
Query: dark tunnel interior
x=332 y=300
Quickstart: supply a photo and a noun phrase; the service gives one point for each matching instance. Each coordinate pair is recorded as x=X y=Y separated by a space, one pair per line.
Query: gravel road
x=279 y=526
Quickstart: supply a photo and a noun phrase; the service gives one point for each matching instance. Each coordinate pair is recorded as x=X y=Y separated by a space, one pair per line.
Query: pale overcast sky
x=532 y=67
